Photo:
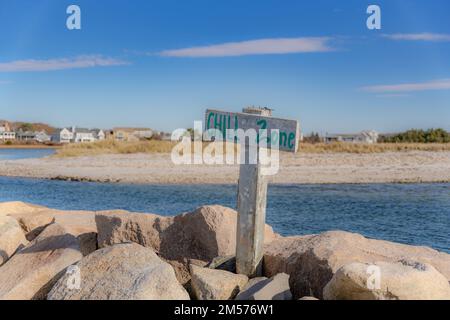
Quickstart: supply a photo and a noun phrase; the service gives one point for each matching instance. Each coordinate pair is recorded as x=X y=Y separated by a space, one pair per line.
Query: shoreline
x=276 y=183
x=23 y=146
x=332 y=168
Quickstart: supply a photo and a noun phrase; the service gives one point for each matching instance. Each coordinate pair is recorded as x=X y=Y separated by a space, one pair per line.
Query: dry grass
x=116 y=147
x=371 y=148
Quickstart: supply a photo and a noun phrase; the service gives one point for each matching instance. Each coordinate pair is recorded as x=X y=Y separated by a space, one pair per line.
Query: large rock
x=211 y=284
x=204 y=234
x=312 y=260
x=33 y=219
x=12 y=238
x=121 y=272
x=31 y=273
x=404 y=280
x=17 y=207
x=275 y=288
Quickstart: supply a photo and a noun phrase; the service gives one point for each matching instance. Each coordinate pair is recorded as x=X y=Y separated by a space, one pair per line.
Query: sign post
x=252 y=185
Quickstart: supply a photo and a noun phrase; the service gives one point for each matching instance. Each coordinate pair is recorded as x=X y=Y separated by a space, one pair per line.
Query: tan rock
x=34 y=223
x=313 y=260
x=33 y=219
x=404 y=280
x=125 y=271
x=12 y=238
x=17 y=207
x=120 y=227
x=212 y=284
x=31 y=273
x=204 y=234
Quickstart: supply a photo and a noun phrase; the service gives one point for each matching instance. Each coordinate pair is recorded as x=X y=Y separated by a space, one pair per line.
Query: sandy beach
x=388 y=167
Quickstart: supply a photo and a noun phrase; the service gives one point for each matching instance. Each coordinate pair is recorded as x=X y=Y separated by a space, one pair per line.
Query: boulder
x=31 y=272
x=17 y=207
x=204 y=234
x=120 y=227
x=275 y=288
x=12 y=238
x=312 y=260
x=33 y=219
x=125 y=271
x=403 y=280
x=211 y=284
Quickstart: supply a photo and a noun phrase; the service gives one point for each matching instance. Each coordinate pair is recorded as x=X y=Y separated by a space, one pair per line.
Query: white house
x=77 y=135
x=369 y=137
x=83 y=135
x=99 y=134
x=42 y=137
x=6 y=134
x=62 y=136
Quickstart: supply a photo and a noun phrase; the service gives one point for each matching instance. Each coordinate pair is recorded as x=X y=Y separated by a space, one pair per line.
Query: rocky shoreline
x=78 y=255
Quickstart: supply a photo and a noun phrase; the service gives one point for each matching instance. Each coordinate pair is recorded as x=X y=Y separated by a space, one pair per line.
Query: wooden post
x=251 y=205
x=252 y=186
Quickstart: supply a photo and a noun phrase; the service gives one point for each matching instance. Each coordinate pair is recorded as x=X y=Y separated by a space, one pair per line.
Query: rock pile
x=85 y=255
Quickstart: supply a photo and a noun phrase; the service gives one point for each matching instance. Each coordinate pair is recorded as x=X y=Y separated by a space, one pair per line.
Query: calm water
x=15 y=154
x=413 y=214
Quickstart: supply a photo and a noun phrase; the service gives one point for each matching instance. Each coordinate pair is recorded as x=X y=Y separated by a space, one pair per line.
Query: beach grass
x=156 y=146
x=342 y=147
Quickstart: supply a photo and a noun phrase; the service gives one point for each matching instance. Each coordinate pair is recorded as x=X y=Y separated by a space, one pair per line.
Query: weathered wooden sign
x=286 y=138
x=252 y=186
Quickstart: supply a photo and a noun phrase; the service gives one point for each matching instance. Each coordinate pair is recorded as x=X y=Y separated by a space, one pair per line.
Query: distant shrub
x=418 y=136
x=8 y=143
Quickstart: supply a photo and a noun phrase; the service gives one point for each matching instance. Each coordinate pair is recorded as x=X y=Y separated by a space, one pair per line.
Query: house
x=6 y=134
x=38 y=136
x=42 y=137
x=267 y=112
x=83 y=135
x=99 y=134
x=25 y=135
x=76 y=135
x=131 y=134
x=368 y=137
x=62 y=136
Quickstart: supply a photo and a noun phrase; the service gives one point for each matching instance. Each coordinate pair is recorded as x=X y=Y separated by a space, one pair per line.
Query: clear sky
x=160 y=64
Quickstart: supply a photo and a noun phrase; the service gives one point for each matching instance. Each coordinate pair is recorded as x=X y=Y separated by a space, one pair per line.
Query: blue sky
x=162 y=63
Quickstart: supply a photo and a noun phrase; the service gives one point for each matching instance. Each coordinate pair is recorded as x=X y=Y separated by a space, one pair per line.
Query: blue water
x=416 y=214
x=15 y=154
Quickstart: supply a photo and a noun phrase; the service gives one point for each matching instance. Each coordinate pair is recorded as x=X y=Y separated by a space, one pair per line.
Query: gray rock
x=275 y=288
x=121 y=272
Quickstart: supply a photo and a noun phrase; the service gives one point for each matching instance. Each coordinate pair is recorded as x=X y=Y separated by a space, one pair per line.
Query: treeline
x=418 y=136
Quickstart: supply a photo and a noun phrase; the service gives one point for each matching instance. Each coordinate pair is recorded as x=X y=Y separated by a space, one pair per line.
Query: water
x=15 y=154
x=416 y=214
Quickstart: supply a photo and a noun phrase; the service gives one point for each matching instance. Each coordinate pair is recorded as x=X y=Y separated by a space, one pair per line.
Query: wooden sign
x=286 y=138
x=252 y=186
